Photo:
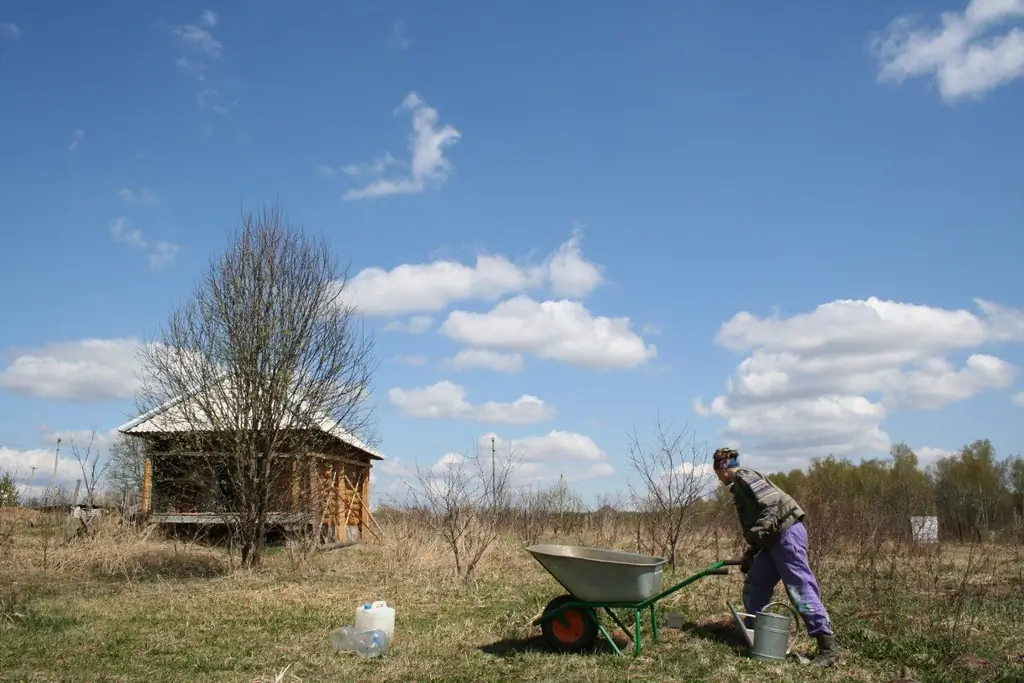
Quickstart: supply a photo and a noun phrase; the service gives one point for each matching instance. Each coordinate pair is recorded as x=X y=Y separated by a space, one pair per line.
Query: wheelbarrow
x=605 y=580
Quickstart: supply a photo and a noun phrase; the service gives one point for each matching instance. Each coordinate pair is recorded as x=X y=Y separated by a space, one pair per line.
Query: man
x=773 y=527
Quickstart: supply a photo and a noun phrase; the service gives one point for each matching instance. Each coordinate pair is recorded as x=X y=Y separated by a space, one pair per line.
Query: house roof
x=170 y=418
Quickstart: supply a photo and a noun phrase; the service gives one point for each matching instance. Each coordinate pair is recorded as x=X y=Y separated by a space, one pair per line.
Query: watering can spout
x=748 y=635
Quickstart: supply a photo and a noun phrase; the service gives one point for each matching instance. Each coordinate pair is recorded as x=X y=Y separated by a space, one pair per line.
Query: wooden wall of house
x=334 y=486
x=354 y=492
x=348 y=486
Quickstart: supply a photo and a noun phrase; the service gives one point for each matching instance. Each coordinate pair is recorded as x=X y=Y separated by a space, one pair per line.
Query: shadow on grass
x=516 y=647
x=722 y=632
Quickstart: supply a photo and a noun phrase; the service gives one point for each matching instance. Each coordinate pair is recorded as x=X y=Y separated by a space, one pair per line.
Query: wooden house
x=324 y=489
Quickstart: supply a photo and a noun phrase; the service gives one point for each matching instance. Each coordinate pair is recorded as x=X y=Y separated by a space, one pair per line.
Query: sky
x=796 y=231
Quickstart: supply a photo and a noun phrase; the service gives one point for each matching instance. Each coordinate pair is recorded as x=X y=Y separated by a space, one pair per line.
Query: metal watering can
x=769 y=639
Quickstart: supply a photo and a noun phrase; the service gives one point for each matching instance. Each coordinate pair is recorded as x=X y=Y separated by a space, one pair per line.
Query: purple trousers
x=786 y=560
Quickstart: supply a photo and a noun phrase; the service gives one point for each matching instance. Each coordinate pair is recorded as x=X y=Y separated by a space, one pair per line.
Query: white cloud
x=399 y=37
x=427 y=143
x=208 y=19
x=143 y=196
x=87 y=371
x=541 y=459
x=163 y=254
x=80 y=438
x=20 y=463
x=536 y=461
x=160 y=254
x=1018 y=399
x=928 y=455
x=122 y=231
x=448 y=460
x=417 y=324
x=434 y=286
x=201 y=51
x=10 y=30
x=966 y=61
x=569 y=273
x=553 y=330
x=199 y=36
x=446 y=400
x=825 y=381
x=467 y=359
x=77 y=136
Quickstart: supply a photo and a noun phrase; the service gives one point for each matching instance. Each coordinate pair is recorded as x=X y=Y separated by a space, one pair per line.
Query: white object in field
x=343 y=639
x=376 y=615
x=371 y=643
x=674 y=620
x=924 y=529
x=366 y=644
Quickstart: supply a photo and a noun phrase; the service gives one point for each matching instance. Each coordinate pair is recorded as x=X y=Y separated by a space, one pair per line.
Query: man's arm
x=767 y=499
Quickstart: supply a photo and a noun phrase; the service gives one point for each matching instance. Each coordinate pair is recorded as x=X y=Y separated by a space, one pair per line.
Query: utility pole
x=53 y=477
x=494 y=492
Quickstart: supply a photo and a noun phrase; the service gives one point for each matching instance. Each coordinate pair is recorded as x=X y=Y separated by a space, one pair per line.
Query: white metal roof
x=171 y=418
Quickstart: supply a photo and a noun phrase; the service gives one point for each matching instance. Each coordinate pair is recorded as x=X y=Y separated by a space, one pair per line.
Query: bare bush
x=674 y=478
x=89 y=462
x=465 y=499
x=267 y=350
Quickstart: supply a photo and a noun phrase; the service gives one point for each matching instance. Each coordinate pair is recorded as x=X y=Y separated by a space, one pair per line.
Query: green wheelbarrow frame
x=557 y=609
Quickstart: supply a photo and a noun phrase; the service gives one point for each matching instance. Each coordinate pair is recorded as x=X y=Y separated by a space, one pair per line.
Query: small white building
x=924 y=529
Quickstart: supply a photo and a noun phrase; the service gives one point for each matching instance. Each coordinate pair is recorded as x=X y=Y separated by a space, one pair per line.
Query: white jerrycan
x=376 y=615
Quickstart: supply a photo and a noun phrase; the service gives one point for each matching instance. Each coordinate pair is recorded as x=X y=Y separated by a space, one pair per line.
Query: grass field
x=126 y=607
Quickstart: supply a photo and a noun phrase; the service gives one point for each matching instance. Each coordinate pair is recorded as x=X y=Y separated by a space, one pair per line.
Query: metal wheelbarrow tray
x=597 y=579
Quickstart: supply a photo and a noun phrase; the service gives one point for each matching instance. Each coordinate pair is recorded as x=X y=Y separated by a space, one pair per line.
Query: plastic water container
x=371 y=643
x=376 y=615
x=343 y=639
x=366 y=643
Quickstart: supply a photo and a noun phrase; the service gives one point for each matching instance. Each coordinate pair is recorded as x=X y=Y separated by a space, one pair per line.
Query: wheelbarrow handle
x=733 y=563
x=721 y=571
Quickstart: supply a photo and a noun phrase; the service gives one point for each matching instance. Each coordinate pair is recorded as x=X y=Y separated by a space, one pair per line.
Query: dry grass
x=131 y=606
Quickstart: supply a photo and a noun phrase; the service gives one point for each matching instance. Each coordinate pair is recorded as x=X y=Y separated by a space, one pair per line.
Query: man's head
x=725 y=461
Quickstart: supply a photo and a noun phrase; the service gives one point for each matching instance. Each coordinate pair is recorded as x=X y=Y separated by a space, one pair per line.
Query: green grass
x=151 y=611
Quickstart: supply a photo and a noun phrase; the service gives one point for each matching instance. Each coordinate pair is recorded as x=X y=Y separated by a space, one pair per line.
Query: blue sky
x=823 y=205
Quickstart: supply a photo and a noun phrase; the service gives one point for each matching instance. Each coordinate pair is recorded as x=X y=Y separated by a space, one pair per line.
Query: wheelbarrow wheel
x=572 y=630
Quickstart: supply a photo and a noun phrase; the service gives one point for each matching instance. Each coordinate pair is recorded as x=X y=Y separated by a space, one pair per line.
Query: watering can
x=769 y=639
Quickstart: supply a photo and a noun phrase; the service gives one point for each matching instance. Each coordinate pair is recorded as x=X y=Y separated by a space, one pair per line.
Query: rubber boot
x=828 y=653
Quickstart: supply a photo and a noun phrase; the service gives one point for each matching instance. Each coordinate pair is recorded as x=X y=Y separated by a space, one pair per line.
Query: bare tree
x=89 y=462
x=674 y=478
x=267 y=348
x=465 y=499
x=126 y=465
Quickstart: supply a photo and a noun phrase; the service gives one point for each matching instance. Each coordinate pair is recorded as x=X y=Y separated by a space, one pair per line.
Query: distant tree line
x=973 y=493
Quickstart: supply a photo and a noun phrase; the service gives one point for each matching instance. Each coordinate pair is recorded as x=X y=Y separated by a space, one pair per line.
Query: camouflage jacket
x=765 y=510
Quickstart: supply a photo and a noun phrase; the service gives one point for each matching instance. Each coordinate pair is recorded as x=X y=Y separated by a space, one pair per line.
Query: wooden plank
x=147 y=486
x=379 y=532
x=364 y=503
x=340 y=508
x=223 y=518
x=295 y=484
